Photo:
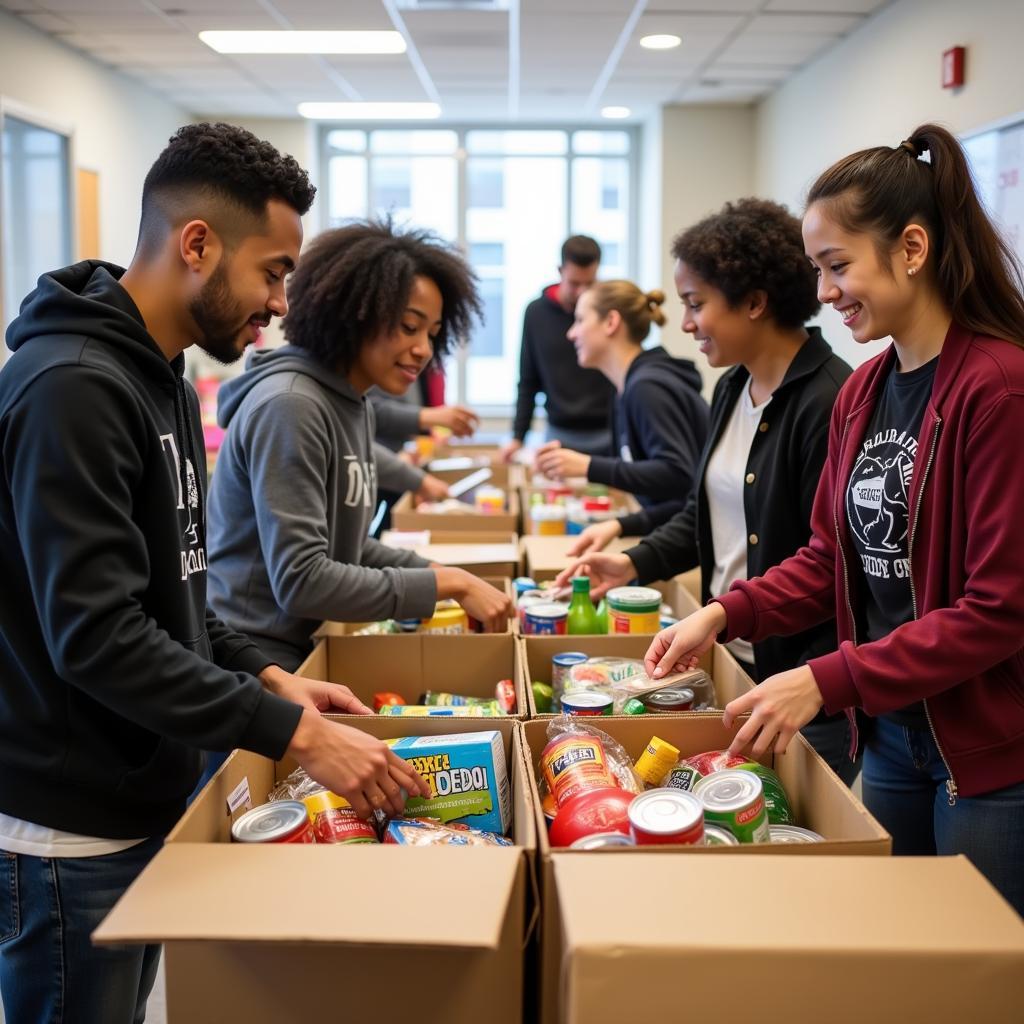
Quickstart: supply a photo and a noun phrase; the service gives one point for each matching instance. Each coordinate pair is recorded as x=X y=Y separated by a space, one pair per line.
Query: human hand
x=509 y=449
x=355 y=765
x=778 y=708
x=605 y=571
x=595 y=537
x=314 y=694
x=557 y=463
x=488 y=605
x=432 y=489
x=462 y=422
x=679 y=647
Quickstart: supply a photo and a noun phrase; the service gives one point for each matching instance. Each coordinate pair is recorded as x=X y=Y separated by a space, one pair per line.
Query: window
x=509 y=198
x=35 y=182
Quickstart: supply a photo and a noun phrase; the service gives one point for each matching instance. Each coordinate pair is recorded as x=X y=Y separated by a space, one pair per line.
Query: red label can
x=282 y=821
x=667 y=816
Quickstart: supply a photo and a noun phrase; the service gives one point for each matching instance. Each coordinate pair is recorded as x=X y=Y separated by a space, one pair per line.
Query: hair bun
x=914 y=147
x=655 y=297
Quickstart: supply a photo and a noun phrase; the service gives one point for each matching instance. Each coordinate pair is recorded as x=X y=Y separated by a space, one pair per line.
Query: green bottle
x=602 y=616
x=582 y=614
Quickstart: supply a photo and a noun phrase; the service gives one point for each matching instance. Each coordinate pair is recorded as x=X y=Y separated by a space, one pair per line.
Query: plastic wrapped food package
x=625 y=678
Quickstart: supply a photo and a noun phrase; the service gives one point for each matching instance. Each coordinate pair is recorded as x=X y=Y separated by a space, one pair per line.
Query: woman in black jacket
x=747 y=290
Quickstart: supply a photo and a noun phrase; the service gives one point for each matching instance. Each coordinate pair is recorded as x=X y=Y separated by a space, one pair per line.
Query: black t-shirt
x=877 y=508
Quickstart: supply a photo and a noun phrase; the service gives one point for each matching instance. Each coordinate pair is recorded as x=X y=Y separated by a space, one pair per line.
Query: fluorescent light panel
x=370 y=111
x=660 y=41
x=615 y=113
x=304 y=42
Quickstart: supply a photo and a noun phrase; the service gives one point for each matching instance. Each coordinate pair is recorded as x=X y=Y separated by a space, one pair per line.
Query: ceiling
x=481 y=60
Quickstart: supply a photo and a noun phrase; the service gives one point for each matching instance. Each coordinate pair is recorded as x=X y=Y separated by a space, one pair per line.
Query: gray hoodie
x=292 y=497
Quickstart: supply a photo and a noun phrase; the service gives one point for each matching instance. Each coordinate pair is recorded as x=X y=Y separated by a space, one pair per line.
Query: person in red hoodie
x=915 y=545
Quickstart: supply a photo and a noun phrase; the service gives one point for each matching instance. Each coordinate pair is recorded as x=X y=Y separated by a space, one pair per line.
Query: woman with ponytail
x=660 y=420
x=915 y=545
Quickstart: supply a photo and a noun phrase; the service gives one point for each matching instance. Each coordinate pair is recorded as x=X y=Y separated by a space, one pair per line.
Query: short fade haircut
x=753 y=245
x=581 y=250
x=222 y=174
x=353 y=284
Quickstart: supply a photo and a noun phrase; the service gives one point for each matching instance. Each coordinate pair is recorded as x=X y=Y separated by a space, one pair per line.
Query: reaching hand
x=462 y=422
x=509 y=449
x=605 y=571
x=596 y=538
x=678 y=648
x=778 y=708
x=314 y=694
x=557 y=463
x=433 y=488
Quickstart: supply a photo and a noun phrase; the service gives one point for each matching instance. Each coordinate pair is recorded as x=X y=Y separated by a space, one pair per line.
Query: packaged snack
x=580 y=756
x=488 y=709
x=467 y=775
x=428 y=832
x=625 y=678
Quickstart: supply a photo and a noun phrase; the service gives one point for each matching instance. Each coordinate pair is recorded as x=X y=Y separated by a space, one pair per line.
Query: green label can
x=735 y=799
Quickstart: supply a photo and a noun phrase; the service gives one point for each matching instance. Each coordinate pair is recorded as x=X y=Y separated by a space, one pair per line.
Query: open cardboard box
x=283 y=933
x=503 y=474
x=483 y=553
x=786 y=940
x=331 y=628
x=622 y=501
x=412 y=663
x=536 y=653
x=817 y=797
x=404 y=516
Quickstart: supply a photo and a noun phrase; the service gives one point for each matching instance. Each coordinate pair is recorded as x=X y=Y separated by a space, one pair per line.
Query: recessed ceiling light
x=304 y=42
x=370 y=111
x=662 y=41
x=615 y=113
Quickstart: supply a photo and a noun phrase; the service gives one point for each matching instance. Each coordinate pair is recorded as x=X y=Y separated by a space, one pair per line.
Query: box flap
x=816 y=905
x=307 y=894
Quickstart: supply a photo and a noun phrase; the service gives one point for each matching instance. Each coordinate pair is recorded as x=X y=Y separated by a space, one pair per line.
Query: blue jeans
x=50 y=973
x=905 y=789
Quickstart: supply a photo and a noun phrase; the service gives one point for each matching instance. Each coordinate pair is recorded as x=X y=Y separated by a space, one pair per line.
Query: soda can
x=281 y=821
x=666 y=816
x=550 y=619
x=735 y=799
x=794 y=834
x=715 y=835
x=602 y=841
x=587 y=702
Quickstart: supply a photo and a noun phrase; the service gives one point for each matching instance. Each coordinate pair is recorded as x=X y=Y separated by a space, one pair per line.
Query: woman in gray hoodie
x=295 y=487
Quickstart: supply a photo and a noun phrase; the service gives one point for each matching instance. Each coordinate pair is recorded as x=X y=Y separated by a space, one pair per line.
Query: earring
x=911 y=271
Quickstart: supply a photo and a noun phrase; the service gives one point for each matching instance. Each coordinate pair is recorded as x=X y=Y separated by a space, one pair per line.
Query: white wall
x=876 y=86
x=119 y=127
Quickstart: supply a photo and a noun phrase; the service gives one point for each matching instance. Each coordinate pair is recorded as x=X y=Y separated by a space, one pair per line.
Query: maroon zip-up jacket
x=963 y=653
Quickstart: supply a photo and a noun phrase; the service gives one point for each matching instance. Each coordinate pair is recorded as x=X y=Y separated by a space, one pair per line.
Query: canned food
x=549 y=807
x=531 y=597
x=341 y=825
x=633 y=610
x=448 y=618
x=587 y=702
x=549 y=619
x=794 y=834
x=561 y=666
x=281 y=821
x=658 y=757
x=715 y=835
x=735 y=798
x=575 y=763
x=672 y=698
x=601 y=810
x=602 y=841
x=408 y=625
x=666 y=816
x=489 y=500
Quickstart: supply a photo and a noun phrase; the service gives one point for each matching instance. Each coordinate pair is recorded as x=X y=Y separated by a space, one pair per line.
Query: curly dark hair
x=221 y=172
x=353 y=283
x=753 y=245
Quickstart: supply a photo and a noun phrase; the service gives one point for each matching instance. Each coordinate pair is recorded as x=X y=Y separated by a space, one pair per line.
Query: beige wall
x=876 y=86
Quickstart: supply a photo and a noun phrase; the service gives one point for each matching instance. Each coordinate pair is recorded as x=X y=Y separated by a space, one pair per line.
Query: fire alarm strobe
x=953 y=67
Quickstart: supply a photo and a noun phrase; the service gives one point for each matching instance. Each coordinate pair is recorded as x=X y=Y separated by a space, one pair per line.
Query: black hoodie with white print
x=114 y=674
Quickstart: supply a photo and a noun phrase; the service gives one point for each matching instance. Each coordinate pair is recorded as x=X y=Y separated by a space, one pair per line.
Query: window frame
x=458 y=361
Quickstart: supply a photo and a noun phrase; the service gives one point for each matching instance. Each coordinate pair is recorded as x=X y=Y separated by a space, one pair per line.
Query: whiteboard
x=996 y=157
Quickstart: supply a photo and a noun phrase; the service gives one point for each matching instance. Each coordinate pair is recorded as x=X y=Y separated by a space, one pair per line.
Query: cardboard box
x=503 y=474
x=483 y=553
x=287 y=933
x=404 y=516
x=545 y=557
x=622 y=501
x=412 y=663
x=331 y=628
x=786 y=940
x=818 y=799
x=536 y=653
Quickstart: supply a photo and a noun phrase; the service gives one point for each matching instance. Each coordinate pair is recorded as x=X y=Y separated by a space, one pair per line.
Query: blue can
x=521 y=584
x=549 y=619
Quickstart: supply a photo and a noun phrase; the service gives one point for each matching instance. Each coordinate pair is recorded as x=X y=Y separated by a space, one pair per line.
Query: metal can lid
x=671 y=697
x=271 y=822
x=665 y=811
x=586 y=699
x=716 y=835
x=548 y=611
x=601 y=841
x=568 y=658
x=794 y=834
x=634 y=599
x=729 y=790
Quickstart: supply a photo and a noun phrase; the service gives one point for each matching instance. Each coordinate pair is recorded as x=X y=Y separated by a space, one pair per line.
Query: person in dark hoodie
x=576 y=400
x=659 y=421
x=747 y=291
x=114 y=674
x=296 y=482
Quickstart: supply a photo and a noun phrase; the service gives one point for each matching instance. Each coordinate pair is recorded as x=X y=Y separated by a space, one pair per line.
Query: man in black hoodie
x=114 y=675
